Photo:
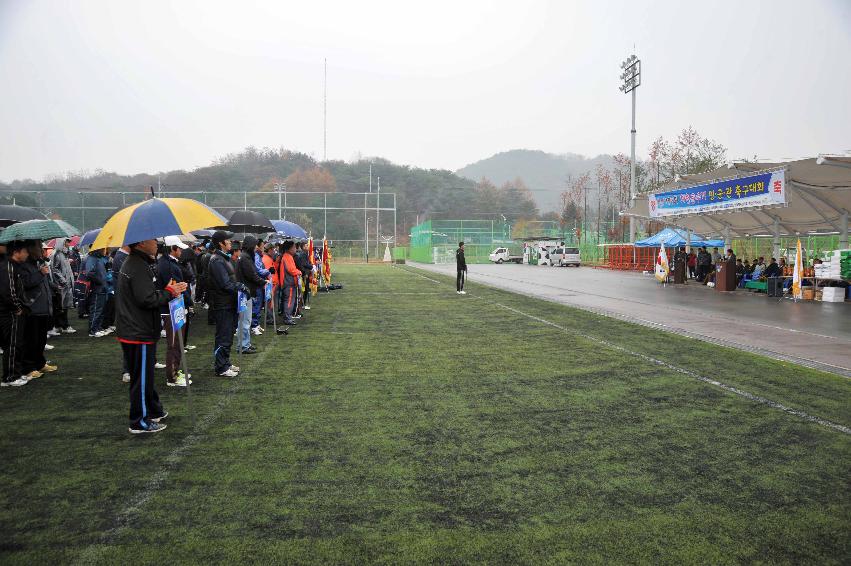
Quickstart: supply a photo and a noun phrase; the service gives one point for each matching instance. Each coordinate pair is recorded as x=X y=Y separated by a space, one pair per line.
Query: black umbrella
x=12 y=214
x=248 y=221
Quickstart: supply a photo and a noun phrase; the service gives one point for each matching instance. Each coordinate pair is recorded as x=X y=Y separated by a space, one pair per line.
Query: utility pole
x=378 y=218
x=631 y=78
x=325 y=115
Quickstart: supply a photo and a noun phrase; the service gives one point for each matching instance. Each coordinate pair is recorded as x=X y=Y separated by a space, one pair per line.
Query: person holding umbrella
x=138 y=301
x=35 y=275
x=138 y=304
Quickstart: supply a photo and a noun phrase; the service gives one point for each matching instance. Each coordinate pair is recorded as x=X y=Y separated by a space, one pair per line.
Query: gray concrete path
x=809 y=333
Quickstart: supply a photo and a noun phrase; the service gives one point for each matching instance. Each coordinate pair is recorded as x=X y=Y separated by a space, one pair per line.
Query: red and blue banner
x=762 y=189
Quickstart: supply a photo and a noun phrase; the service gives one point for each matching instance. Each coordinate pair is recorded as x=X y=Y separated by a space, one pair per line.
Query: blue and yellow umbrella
x=156 y=218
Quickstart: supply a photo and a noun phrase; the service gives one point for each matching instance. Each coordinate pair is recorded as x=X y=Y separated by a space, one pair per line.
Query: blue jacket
x=95 y=270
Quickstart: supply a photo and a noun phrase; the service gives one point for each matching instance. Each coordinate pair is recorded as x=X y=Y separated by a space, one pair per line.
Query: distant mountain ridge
x=546 y=174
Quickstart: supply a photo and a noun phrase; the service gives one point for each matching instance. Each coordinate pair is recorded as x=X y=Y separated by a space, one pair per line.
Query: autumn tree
x=315 y=179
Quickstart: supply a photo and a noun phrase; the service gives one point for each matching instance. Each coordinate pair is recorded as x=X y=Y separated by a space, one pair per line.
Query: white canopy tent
x=818 y=200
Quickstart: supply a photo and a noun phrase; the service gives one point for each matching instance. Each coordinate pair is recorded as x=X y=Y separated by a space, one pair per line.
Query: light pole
x=631 y=78
x=378 y=217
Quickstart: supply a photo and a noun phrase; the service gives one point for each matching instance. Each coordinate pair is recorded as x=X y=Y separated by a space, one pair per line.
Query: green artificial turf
x=402 y=423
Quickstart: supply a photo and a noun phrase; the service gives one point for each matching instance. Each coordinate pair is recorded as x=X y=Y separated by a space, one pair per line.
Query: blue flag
x=177 y=310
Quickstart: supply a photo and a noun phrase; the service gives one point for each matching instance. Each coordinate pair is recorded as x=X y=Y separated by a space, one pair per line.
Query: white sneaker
x=53 y=332
x=307 y=307
x=162 y=333
x=69 y=330
x=158 y=365
x=17 y=383
x=462 y=293
x=256 y=331
x=99 y=334
x=179 y=382
x=125 y=378
x=228 y=373
x=234 y=368
x=49 y=346
x=457 y=292
x=109 y=330
x=190 y=347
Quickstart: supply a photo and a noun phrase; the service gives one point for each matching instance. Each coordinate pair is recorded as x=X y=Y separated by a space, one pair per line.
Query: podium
x=725 y=277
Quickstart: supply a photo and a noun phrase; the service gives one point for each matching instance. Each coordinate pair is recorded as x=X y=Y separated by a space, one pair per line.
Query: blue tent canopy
x=676 y=238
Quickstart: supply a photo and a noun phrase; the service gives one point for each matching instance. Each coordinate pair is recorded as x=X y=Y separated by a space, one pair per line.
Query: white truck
x=503 y=255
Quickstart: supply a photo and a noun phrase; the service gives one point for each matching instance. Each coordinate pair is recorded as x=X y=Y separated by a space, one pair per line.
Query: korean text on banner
x=177 y=312
x=242 y=302
x=763 y=189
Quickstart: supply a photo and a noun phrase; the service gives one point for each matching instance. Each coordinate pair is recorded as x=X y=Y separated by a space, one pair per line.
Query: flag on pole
x=326 y=262
x=313 y=279
x=798 y=273
x=662 y=268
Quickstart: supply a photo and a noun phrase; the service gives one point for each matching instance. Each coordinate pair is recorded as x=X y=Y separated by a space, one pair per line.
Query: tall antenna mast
x=325 y=116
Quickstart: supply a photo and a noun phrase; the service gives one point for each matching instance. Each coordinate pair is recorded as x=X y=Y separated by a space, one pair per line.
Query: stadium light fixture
x=631 y=79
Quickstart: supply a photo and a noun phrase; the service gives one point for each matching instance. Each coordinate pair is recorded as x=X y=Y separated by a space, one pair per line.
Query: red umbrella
x=72 y=242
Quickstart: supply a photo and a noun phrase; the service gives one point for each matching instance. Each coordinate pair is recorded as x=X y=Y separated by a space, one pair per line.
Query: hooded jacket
x=63 y=276
x=246 y=270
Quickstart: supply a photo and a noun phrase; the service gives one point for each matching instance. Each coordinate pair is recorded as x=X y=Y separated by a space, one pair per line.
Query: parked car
x=502 y=255
x=565 y=256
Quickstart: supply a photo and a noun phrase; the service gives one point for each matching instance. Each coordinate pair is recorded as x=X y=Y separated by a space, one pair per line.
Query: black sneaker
x=290 y=322
x=251 y=350
x=158 y=419
x=143 y=427
x=282 y=330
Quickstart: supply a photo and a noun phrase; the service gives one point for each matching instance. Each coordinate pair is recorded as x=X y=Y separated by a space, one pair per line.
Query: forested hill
x=546 y=174
x=421 y=193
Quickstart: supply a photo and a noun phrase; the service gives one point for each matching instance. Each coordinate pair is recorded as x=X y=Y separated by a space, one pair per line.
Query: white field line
x=124 y=518
x=729 y=388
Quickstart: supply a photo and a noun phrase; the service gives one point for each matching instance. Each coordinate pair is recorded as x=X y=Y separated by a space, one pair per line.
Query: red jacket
x=290 y=273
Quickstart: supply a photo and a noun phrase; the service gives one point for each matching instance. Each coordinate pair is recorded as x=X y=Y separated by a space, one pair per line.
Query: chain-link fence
x=360 y=225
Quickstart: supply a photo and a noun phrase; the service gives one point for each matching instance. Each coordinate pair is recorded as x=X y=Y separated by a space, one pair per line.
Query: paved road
x=810 y=333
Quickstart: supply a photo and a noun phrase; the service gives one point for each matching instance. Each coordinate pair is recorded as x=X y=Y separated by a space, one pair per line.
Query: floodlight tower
x=631 y=78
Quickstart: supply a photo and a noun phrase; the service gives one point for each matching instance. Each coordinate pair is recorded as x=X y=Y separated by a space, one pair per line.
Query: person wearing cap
x=168 y=273
x=222 y=296
x=12 y=314
x=138 y=324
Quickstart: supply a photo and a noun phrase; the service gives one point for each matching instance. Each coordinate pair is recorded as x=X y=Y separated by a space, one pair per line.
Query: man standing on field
x=137 y=317
x=461 y=266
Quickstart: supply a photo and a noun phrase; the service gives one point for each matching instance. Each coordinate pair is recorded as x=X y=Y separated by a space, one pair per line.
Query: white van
x=565 y=256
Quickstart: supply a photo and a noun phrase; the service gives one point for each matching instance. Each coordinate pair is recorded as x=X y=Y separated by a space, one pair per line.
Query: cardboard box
x=833 y=294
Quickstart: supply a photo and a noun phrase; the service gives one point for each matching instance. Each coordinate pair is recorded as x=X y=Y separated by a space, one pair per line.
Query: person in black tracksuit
x=12 y=314
x=222 y=296
x=138 y=325
x=35 y=278
x=461 y=267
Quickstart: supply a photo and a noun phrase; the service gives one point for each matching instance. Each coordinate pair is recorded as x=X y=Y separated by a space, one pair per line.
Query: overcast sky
x=155 y=86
